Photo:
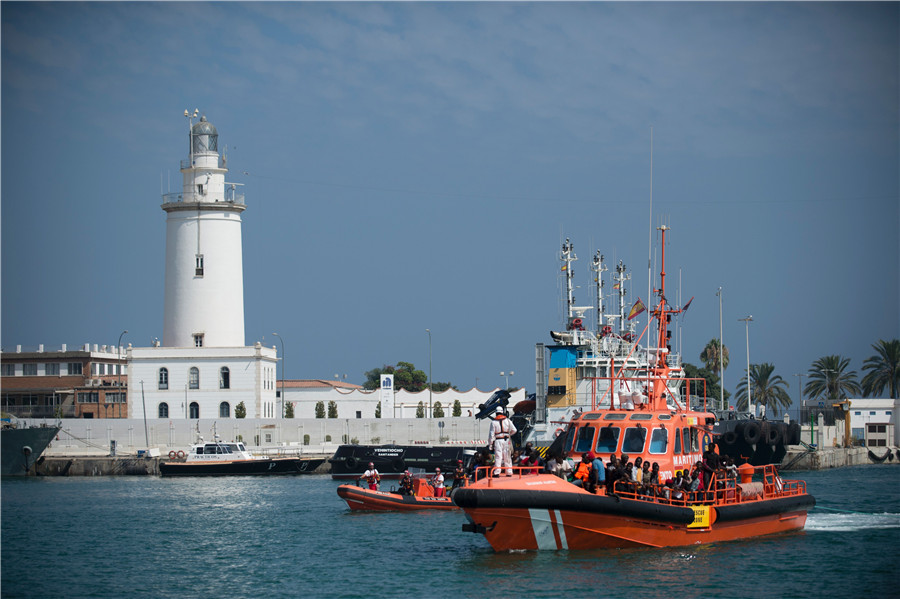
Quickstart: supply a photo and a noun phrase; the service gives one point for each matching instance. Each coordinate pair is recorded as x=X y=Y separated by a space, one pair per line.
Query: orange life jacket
x=583 y=471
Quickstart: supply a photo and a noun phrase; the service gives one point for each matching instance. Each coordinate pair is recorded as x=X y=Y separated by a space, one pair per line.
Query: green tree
x=829 y=379
x=240 y=410
x=320 y=409
x=289 y=409
x=332 y=409
x=437 y=410
x=378 y=410
x=406 y=376
x=457 y=408
x=884 y=369
x=765 y=389
x=420 y=410
x=710 y=356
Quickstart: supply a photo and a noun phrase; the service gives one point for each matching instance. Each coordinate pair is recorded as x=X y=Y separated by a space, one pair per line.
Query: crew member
x=459 y=475
x=437 y=481
x=583 y=471
x=406 y=483
x=502 y=429
x=372 y=477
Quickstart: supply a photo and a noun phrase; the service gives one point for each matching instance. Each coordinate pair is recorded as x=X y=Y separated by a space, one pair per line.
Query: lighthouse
x=203 y=370
x=204 y=289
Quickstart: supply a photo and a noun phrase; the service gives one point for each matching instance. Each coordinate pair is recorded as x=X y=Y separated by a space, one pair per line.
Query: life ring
x=752 y=432
x=351 y=463
x=180 y=454
x=172 y=454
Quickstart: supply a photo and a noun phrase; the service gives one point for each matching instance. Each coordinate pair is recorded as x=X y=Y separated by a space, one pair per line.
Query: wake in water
x=842 y=522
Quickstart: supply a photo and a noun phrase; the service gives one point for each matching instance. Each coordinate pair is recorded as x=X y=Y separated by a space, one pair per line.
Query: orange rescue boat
x=423 y=498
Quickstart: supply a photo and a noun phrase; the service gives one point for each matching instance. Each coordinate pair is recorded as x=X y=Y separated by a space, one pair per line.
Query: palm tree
x=767 y=390
x=885 y=369
x=828 y=379
x=710 y=356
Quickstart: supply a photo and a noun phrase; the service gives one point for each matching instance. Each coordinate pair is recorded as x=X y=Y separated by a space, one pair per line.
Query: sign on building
x=387 y=395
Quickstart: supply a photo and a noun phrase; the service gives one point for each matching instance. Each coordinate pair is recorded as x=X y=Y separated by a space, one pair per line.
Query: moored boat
x=350 y=461
x=364 y=499
x=221 y=459
x=23 y=446
x=647 y=416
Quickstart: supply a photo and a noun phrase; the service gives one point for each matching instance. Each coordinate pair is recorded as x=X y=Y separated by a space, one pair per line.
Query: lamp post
x=747 y=322
x=280 y=338
x=721 y=356
x=430 y=381
x=119 y=366
x=507 y=375
x=800 y=376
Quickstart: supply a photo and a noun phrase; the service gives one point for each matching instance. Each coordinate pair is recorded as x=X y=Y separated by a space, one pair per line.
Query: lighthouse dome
x=204 y=136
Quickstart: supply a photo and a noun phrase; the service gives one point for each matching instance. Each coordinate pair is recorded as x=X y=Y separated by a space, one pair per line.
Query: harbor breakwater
x=797 y=458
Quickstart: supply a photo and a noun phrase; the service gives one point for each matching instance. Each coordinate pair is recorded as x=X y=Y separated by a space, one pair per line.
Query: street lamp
x=721 y=356
x=507 y=375
x=747 y=322
x=280 y=338
x=119 y=366
x=430 y=380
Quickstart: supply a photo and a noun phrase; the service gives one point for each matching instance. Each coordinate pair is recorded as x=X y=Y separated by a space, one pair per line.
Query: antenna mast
x=599 y=268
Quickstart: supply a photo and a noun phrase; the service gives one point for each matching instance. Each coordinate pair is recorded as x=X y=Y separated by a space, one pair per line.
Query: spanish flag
x=565 y=267
x=636 y=309
x=616 y=286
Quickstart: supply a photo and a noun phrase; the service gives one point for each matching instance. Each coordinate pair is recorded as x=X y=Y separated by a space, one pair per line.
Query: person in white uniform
x=502 y=430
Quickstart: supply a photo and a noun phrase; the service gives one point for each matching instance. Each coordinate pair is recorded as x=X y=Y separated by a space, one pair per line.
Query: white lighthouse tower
x=204 y=299
x=203 y=370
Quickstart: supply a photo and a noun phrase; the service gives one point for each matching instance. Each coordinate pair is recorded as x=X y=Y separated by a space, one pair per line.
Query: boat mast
x=621 y=277
x=599 y=268
x=568 y=257
x=659 y=365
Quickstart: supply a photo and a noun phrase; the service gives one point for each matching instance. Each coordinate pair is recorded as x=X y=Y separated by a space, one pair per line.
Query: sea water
x=220 y=538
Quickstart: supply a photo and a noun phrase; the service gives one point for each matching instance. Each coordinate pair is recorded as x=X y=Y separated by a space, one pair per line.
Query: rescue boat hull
x=570 y=518
x=361 y=499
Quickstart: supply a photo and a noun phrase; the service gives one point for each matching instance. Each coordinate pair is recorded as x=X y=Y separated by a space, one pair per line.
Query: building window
x=9 y=370
x=115 y=397
x=163 y=410
x=29 y=369
x=224 y=410
x=857 y=413
x=198 y=340
x=268 y=437
x=101 y=368
x=51 y=368
x=74 y=368
x=871 y=413
x=89 y=397
x=224 y=378
x=163 y=378
x=194 y=378
x=195 y=410
x=198 y=265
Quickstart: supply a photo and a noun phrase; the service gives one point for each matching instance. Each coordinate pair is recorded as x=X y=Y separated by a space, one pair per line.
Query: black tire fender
x=752 y=432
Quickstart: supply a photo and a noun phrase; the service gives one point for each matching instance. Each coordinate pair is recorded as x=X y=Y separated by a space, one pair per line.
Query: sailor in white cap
x=502 y=430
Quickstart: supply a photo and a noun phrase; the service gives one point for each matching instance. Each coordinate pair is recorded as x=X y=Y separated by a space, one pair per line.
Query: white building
x=202 y=369
x=869 y=411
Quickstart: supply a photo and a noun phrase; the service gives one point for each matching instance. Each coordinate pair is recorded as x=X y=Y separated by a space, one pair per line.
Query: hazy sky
x=411 y=166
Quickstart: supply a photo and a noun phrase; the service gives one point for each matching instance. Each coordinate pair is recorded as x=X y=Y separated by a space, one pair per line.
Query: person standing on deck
x=372 y=477
x=502 y=430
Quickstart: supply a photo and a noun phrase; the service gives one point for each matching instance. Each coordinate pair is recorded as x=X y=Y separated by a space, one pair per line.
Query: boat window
x=585 y=439
x=695 y=440
x=634 y=440
x=659 y=440
x=687 y=440
x=665 y=416
x=641 y=417
x=615 y=417
x=570 y=438
x=592 y=416
x=198 y=450
x=609 y=439
x=677 y=441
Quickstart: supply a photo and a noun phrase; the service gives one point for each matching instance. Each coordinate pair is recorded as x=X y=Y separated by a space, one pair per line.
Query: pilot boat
x=647 y=416
x=220 y=458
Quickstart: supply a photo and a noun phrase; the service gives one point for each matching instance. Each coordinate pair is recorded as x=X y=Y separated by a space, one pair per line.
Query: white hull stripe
x=543 y=527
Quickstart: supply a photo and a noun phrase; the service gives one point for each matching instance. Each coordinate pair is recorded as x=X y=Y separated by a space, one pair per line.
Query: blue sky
x=411 y=166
